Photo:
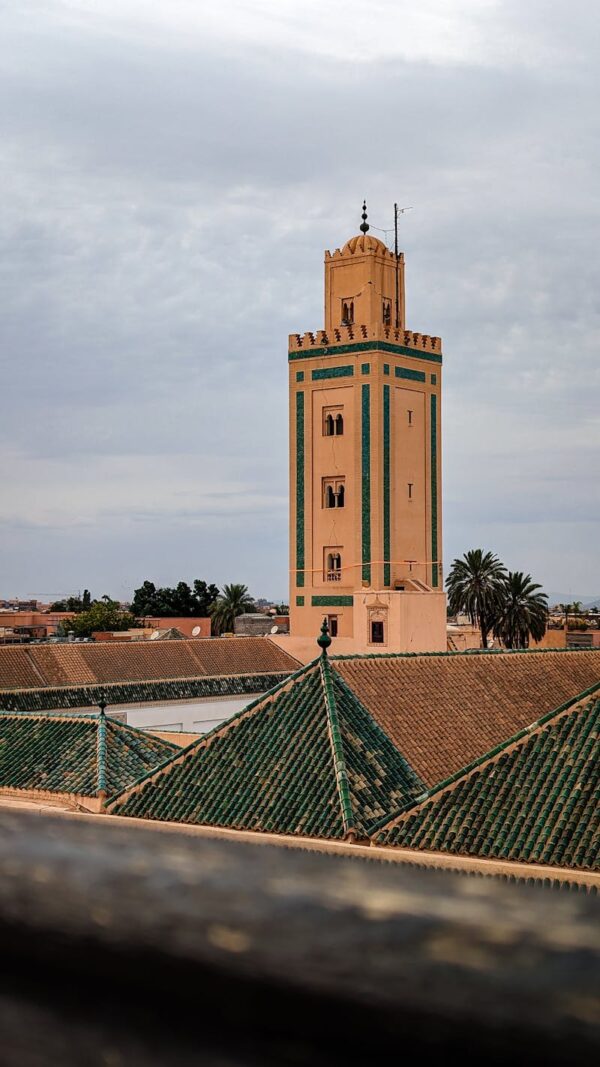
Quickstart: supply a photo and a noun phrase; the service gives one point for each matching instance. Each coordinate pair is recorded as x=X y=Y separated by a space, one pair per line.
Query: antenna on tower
x=398 y=211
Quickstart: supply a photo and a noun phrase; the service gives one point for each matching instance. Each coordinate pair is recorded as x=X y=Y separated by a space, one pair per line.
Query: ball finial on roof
x=101 y=702
x=324 y=640
x=364 y=224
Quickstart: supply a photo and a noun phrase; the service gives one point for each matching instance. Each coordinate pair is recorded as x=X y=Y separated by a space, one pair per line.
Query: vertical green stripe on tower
x=300 y=488
x=434 y=493
x=366 y=483
x=386 y=486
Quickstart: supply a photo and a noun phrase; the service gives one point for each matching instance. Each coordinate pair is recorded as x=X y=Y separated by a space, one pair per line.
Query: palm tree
x=566 y=610
x=524 y=611
x=233 y=601
x=475 y=586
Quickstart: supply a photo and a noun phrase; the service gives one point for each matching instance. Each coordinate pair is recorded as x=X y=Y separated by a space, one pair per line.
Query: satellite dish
x=154 y=635
x=274 y=629
x=196 y=631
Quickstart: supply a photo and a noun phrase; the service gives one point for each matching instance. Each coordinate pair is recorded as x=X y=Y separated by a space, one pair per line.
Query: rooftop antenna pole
x=397 y=267
x=398 y=211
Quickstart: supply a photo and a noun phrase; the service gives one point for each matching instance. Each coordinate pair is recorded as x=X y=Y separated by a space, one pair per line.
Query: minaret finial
x=101 y=702
x=324 y=639
x=364 y=225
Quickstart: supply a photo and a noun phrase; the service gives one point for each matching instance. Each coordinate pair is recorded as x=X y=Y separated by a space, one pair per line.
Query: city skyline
x=158 y=251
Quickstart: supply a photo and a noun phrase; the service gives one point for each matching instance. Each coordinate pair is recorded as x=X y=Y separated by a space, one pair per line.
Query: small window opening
x=387 y=312
x=410 y=415
x=347 y=312
x=410 y=490
x=333 y=493
x=376 y=632
x=333 y=422
x=333 y=571
x=332 y=622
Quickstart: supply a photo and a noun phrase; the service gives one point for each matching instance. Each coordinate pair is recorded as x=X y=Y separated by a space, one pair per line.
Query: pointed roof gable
x=79 y=754
x=443 y=710
x=307 y=758
x=535 y=798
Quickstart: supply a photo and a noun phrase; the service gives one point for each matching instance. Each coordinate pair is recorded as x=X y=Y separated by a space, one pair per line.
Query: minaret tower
x=365 y=463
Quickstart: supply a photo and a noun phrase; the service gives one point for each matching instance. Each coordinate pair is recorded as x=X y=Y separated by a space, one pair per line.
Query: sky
x=171 y=174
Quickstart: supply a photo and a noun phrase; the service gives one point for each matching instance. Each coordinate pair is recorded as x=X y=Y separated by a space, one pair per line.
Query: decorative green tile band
x=434 y=492
x=299 y=375
x=433 y=379
x=366 y=483
x=386 y=486
x=365 y=368
x=412 y=375
x=300 y=489
x=332 y=601
x=386 y=368
x=333 y=372
x=299 y=601
x=365 y=346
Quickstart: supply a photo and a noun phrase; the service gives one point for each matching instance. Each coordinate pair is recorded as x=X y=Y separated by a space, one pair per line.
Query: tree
x=474 y=586
x=104 y=614
x=179 y=601
x=233 y=601
x=523 y=611
x=566 y=610
x=75 y=604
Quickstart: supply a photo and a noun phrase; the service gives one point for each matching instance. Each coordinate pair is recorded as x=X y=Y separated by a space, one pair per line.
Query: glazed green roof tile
x=80 y=754
x=535 y=798
x=306 y=759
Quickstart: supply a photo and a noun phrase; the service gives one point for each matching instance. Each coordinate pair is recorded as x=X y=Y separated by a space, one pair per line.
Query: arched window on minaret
x=340 y=496
x=330 y=497
x=347 y=312
x=334 y=567
x=339 y=425
x=329 y=426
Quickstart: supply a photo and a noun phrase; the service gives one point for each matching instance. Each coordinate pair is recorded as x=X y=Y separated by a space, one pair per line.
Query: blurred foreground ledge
x=124 y=946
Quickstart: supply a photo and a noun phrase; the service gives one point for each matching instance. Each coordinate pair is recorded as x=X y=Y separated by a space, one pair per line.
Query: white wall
x=189 y=716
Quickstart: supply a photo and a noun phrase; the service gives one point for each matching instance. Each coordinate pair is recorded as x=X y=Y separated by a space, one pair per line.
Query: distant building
x=253 y=624
x=189 y=627
x=365 y=464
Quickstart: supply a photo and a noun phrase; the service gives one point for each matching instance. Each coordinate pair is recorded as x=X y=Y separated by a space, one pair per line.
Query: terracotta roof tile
x=536 y=799
x=65 y=665
x=443 y=711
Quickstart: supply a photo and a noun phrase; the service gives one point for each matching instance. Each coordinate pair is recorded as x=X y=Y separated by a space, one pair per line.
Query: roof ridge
x=488 y=757
x=146 y=681
x=466 y=652
x=209 y=736
x=101 y=755
x=344 y=685
x=337 y=750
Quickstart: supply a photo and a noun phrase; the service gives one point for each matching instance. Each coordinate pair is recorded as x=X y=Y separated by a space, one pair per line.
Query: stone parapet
x=356 y=334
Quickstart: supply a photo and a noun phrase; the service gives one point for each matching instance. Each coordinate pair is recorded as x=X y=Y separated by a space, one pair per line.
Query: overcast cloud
x=170 y=178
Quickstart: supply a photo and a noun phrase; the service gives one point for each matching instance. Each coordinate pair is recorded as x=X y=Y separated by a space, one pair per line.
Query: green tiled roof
x=307 y=758
x=85 y=696
x=536 y=798
x=79 y=754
